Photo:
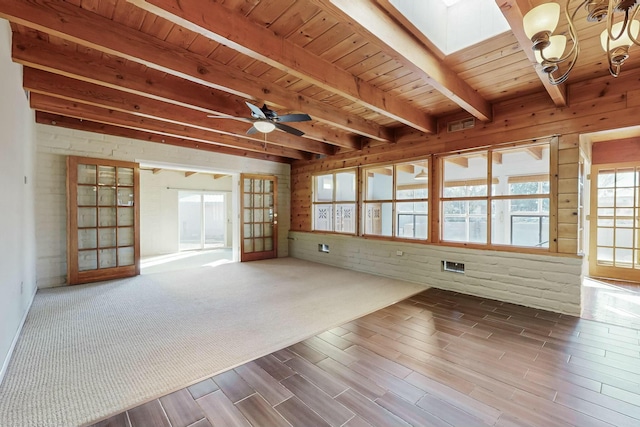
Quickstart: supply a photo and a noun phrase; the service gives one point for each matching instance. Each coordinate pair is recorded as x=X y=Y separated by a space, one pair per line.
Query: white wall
x=17 y=238
x=159 y=232
x=53 y=144
x=540 y=281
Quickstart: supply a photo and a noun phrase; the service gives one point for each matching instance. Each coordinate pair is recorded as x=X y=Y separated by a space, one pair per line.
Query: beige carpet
x=93 y=350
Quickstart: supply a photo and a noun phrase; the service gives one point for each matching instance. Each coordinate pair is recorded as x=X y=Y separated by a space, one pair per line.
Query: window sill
x=498 y=248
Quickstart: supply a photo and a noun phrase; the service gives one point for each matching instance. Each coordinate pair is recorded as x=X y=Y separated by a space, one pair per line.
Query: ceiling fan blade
x=256 y=111
x=294 y=118
x=252 y=130
x=289 y=129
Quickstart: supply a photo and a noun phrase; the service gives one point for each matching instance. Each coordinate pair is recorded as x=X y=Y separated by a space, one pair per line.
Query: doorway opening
x=189 y=218
x=611 y=286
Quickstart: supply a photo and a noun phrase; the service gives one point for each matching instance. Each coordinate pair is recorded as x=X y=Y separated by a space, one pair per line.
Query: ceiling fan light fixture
x=264 y=126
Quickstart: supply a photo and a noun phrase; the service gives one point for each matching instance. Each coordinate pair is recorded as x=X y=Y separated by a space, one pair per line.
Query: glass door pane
x=190 y=217
x=215 y=220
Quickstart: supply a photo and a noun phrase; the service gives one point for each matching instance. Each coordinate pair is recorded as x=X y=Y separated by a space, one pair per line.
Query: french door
x=259 y=217
x=615 y=222
x=103 y=232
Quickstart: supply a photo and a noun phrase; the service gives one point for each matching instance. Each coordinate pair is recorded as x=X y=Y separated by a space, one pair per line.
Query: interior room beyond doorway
x=186 y=218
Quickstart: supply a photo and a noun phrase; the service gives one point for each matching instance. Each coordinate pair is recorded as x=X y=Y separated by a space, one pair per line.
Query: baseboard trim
x=5 y=364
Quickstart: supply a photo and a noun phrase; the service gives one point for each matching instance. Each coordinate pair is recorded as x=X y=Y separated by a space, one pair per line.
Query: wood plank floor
x=436 y=359
x=611 y=301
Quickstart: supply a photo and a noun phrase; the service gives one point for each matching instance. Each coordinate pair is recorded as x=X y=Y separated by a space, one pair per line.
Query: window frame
x=426 y=165
x=435 y=198
x=489 y=198
x=333 y=202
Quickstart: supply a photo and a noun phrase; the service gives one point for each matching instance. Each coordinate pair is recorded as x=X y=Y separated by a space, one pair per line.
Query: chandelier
x=549 y=49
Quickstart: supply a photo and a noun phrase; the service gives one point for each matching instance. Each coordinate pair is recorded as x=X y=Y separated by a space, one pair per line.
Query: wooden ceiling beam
x=154 y=170
x=110 y=72
x=39 y=81
x=104 y=129
x=406 y=168
x=460 y=161
x=381 y=171
x=188 y=174
x=535 y=152
x=496 y=158
x=64 y=20
x=406 y=23
x=514 y=11
x=369 y=20
x=79 y=110
x=264 y=45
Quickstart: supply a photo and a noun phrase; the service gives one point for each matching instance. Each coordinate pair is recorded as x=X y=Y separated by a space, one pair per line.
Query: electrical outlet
x=21 y=287
x=399 y=253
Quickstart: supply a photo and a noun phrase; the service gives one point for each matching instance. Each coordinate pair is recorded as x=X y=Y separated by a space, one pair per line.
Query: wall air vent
x=453 y=267
x=463 y=124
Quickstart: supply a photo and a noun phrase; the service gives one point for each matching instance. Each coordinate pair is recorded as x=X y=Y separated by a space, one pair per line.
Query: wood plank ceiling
x=155 y=69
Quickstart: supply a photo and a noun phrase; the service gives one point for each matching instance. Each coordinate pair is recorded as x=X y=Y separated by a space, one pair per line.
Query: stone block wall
x=550 y=282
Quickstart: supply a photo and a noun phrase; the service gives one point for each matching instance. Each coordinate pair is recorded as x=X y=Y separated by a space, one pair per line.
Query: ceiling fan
x=266 y=120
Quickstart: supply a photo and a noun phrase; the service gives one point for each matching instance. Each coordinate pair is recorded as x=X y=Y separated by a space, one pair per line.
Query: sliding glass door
x=202 y=220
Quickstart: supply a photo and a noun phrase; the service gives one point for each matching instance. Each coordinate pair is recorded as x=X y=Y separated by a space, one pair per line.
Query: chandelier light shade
x=553 y=52
x=625 y=36
x=620 y=33
x=541 y=22
x=264 y=126
x=421 y=176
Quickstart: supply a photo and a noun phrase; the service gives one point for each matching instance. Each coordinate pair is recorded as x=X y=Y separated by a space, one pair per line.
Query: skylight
x=453 y=25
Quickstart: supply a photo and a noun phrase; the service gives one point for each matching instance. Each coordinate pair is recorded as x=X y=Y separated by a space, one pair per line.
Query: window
x=334 y=202
x=464 y=201
x=396 y=200
x=493 y=197
x=517 y=199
